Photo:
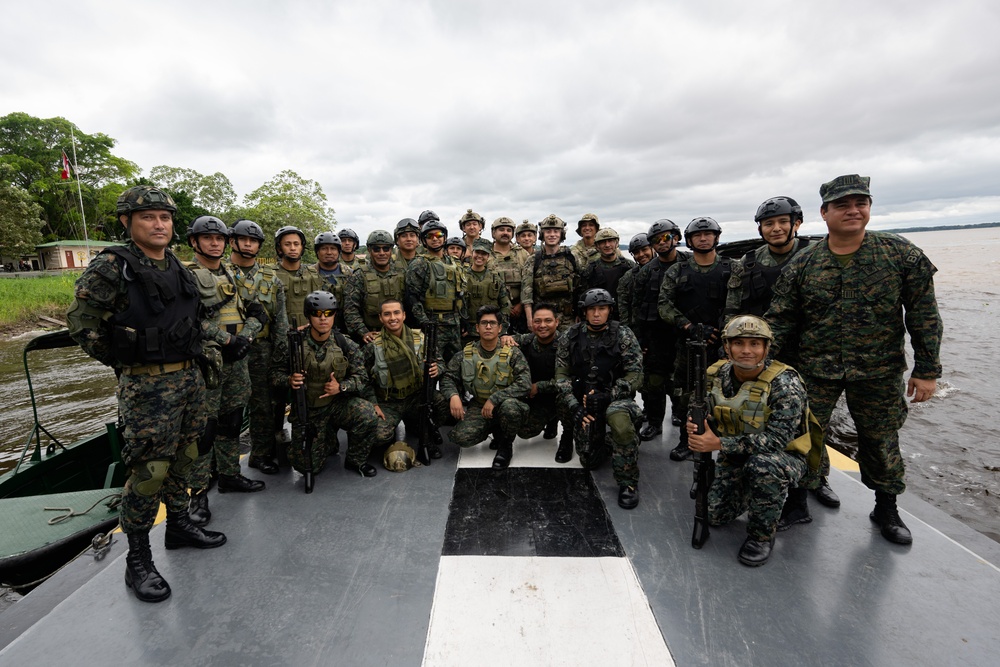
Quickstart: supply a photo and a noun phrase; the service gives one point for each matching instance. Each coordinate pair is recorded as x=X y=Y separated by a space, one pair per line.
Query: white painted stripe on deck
x=535 y=452
x=504 y=610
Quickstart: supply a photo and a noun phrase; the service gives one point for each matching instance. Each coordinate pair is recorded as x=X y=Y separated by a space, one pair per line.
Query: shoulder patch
x=913 y=257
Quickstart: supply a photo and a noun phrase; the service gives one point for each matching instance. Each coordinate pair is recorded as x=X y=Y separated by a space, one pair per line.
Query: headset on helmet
x=596 y=297
x=325 y=238
x=319 y=300
x=553 y=221
x=638 y=242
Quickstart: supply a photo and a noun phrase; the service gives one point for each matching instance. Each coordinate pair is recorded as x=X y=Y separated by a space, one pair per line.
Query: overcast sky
x=631 y=110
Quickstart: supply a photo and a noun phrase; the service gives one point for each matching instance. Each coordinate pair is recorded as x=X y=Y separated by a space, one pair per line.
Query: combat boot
x=565 y=451
x=239 y=484
x=796 y=509
x=886 y=516
x=551 y=429
x=265 y=464
x=681 y=451
x=651 y=430
x=755 y=553
x=436 y=441
x=825 y=495
x=628 y=496
x=140 y=573
x=198 y=508
x=505 y=451
x=181 y=532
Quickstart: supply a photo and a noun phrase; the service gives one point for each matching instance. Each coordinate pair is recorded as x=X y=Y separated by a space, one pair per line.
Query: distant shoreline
x=938 y=228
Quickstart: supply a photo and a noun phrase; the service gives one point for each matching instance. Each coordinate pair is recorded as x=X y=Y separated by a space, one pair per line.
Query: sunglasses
x=434 y=235
x=324 y=313
x=381 y=248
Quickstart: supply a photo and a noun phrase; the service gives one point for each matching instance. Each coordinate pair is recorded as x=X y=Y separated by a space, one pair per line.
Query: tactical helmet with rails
x=661 y=227
x=325 y=238
x=526 y=226
x=247 y=228
x=748 y=326
x=455 y=240
x=288 y=229
x=702 y=225
x=427 y=216
x=502 y=221
x=432 y=225
x=638 y=242
x=399 y=457
x=382 y=237
x=552 y=221
x=206 y=224
x=319 y=300
x=471 y=216
x=144 y=198
x=776 y=206
x=606 y=234
x=349 y=234
x=407 y=225
x=596 y=297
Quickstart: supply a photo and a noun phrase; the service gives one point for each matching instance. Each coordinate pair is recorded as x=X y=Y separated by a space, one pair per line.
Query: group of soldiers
x=503 y=340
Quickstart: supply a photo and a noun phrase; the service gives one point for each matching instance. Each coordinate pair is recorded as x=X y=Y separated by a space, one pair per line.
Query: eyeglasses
x=381 y=248
x=488 y=324
x=324 y=313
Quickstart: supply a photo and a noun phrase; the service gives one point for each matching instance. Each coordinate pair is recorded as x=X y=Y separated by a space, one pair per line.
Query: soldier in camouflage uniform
x=753 y=277
x=641 y=253
x=552 y=274
x=435 y=290
x=299 y=280
x=260 y=283
x=454 y=247
x=152 y=343
x=527 y=236
x=585 y=250
x=847 y=301
x=485 y=286
x=499 y=379
x=614 y=350
x=694 y=292
x=508 y=259
x=760 y=459
x=349 y=243
x=472 y=225
x=407 y=239
x=657 y=338
x=330 y=270
x=608 y=269
x=336 y=382
x=366 y=289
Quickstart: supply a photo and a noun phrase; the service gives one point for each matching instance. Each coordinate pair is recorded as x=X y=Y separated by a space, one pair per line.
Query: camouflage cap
x=851 y=184
x=502 y=221
x=482 y=245
x=526 y=226
x=471 y=216
x=588 y=217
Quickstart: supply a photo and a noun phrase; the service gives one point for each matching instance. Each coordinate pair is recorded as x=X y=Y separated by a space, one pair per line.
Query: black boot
x=886 y=516
x=182 y=533
x=755 y=553
x=239 y=484
x=265 y=464
x=198 y=508
x=140 y=573
x=652 y=429
x=825 y=495
x=681 y=452
x=364 y=469
x=551 y=429
x=436 y=441
x=565 y=451
x=505 y=451
x=796 y=509
x=628 y=496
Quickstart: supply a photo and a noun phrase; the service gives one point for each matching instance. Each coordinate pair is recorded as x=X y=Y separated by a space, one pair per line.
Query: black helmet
x=455 y=240
x=325 y=238
x=144 y=198
x=287 y=229
x=661 y=227
x=638 y=242
x=596 y=297
x=778 y=206
x=406 y=225
x=319 y=300
x=426 y=217
x=430 y=226
x=381 y=237
x=247 y=228
x=702 y=225
x=349 y=234
x=207 y=224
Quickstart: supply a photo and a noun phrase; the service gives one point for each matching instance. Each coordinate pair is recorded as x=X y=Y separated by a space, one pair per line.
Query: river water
x=951 y=443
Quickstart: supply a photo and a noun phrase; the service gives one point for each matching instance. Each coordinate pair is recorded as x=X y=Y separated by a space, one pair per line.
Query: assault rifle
x=427 y=425
x=704 y=465
x=297 y=364
x=593 y=403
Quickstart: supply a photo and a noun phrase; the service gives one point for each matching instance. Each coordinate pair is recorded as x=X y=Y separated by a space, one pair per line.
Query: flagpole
x=79 y=193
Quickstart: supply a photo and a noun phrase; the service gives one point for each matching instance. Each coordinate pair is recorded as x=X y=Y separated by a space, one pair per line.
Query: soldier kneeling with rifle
x=598 y=370
x=762 y=431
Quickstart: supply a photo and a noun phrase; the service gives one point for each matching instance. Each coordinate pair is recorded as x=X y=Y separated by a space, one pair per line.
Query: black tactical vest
x=758 y=282
x=701 y=297
x=541 y=361
x=647 y=308
x=602 y=352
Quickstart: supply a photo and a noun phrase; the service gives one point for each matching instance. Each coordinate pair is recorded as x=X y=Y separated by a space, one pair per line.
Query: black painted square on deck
x=528 y=512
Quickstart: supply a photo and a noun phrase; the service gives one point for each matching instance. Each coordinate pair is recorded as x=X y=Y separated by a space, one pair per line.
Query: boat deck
x=456 y=564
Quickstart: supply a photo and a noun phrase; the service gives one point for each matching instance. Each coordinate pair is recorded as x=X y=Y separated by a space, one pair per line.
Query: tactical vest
x=393 y=372
x=747 y=412
x=542 y=361
x=481 y=290
x=510 y=270
x=758 y=282
x=378 y=288
x=555 y=275
x=647 y=310
x=320 y=363
x=607 y=276
x=260 y=286
x=701 y=297
x=603 y=353
x=483 y=376
x=298 y=285
x=220 y=297
x=444 y=286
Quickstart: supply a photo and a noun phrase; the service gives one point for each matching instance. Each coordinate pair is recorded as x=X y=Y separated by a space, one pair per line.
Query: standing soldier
x=641 y=253
x=508 y=260
x=694 y=292
x=472 y=225
x=238 y=321
x=584 y=250
x=614 y=351
x=330 y=270
x=366 y=289
x=485 y=286
x=551 y=275
x=847 y=301
x=349 y=243
x=259 y=283
x=122 y=318
x=435 y=289
x=527 y=236
x=657 y=338
x=299 y=280
x=498 y=378
x=407 y=240
x=606 y=271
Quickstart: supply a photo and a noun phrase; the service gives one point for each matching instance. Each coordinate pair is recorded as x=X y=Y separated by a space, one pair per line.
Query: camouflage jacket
x=486 y=287
x=518 y=387
x=763 y=257
x=626 y=298
x=210 y=325
x=275 y=306
x=529 y=280
x=359 y=262
x=418 y=281
x=631 y=362
x=511 y=269
x=298 y=284
x=850 y=322
x=360 y=312
x=583 y=254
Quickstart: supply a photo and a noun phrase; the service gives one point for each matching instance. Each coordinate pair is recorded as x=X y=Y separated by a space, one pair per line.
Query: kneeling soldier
x=760 y=412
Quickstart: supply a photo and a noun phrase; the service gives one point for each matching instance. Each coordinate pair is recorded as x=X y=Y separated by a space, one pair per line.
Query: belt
x=396 y=393
x=157 y=369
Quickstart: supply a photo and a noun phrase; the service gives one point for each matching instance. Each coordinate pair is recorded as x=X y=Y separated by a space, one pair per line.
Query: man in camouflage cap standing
x=848 y=301
x=585 y=250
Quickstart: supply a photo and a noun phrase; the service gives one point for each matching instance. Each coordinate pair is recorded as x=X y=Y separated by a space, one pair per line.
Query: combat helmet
x=482 y=245
x=325 y=238
x=702 y=225
x=778 y=206
x=144 y=198
x=471 y=216
x=206 y=224
x=426 y=217
x=319 y=300
x=382 y=237
x=399 y=457
x=502 y=221
x=660 y=227
x=553 y=221
x=596 y=297
x=638 y=242
x=748 y=326
x=431 y=226
x=455 y=240
x=407 y=225
x=588 y=217
x=287 y=229
x=526 y=226
x=248 y=229
x=606 y=234
x=349 y=234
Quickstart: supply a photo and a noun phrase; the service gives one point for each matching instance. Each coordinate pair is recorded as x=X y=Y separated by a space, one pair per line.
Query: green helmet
x=747 y=326
x=144 y=198
x=606 y=234
x=407 y=225
x=502 y=221
x=399 y=457
x=552 y=221
x=381 y=237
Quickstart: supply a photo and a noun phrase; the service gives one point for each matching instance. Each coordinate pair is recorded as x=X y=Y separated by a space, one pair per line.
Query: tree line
x=38 y=205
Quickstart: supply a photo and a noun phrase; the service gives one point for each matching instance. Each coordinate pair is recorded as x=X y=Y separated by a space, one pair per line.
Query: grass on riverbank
x=24 y=299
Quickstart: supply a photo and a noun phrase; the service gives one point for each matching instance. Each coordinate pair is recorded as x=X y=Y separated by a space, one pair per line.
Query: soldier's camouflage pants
x=475 y=428
x=354 y=415
x=759 y=487
x=878 y=407
x=225 y=404
x=164 y=416
x=541 y=410
x=267 y=403
x=621 y=416
x=408 y=410
x=658 y=356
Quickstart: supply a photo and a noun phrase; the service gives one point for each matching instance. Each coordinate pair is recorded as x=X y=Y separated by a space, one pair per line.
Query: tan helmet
x=552 y=221
x=748 y=326
x=606 y=234
x=471 y=216
x=399 y=457
x=502 y=221
x=526 y=226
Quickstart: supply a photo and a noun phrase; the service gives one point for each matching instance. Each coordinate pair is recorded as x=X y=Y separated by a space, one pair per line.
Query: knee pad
x=622 y=430
x=207 y=438
x=147 y=478
x=185 y=459
x=230 y=423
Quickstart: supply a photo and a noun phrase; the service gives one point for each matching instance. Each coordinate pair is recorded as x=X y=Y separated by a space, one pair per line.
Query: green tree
x=213 y=193
x=33 y=148
x=289 y=199
x=20 y=217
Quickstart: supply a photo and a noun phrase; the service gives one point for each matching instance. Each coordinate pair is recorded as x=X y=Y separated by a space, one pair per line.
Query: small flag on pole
x=64 y=174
